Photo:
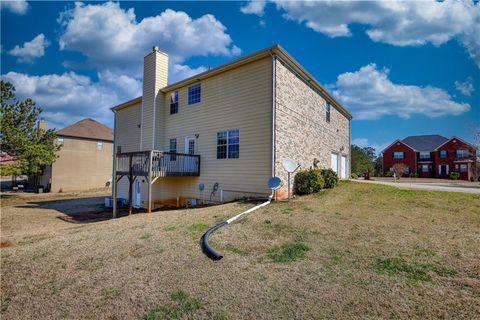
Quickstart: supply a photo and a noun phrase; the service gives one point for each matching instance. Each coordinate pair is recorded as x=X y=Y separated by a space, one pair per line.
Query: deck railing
x=163 y=164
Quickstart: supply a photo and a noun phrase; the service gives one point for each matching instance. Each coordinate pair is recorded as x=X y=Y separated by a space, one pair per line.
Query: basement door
x=137 y=194
x=189 y=149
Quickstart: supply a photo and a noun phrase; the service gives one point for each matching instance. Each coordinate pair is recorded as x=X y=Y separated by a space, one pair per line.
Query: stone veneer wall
x=301 y=130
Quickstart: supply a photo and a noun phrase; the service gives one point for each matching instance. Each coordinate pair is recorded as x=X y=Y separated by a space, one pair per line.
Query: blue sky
x=401 y=68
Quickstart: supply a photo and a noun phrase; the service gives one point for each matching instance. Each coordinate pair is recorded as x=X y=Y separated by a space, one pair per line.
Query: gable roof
x=454 y=138
x=425 y=142
x=87 y=129
x=394 y=142
x=275 y=50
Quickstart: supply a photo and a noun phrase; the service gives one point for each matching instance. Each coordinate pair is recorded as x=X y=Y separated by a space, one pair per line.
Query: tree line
x=31 y=147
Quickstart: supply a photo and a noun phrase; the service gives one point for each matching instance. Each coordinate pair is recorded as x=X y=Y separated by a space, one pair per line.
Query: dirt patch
x=5 y=244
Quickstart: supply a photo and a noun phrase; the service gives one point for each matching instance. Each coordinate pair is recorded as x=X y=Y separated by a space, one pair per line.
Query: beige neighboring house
x=85 y=159
x=223 y=133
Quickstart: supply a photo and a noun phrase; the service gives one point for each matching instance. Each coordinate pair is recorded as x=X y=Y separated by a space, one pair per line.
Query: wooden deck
x=160 y=163
x=151 y=164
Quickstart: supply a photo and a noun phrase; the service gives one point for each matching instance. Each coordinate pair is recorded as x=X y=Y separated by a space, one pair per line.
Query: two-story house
x=432 y=156
x=220 y=135
x=85 y=158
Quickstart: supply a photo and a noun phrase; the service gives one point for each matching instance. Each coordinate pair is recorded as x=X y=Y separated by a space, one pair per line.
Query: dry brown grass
x=374 y=252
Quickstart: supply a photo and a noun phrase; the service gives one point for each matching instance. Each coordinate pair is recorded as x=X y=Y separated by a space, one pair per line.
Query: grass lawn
x=358 y=251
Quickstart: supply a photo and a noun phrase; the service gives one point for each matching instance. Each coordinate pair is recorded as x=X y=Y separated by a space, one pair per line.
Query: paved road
x=427 y=186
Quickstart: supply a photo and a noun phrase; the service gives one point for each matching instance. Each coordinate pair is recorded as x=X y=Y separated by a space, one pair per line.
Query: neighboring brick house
x=432 y=156
x=240 y=119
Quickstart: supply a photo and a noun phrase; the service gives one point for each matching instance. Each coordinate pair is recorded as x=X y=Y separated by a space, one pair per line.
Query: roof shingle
x=424 y=143
x=87 y=129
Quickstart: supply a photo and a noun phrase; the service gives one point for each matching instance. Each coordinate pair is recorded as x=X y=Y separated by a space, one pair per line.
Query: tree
x=362 y=159
x=378 y=164
x=19 y=134
x=399 y=169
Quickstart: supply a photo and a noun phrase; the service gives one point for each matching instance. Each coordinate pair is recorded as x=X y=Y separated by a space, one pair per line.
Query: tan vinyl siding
x=155 y=76
x=237 y=99
x=127 y=122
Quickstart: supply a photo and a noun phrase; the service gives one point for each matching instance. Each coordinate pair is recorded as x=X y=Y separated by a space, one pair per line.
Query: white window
x=424 y=155
x=173 y=149
x=424 y=167
x=462 y=153
x=399 y=155
x=99 y=145
x=463 y=167
x=443 y=153
x=194 y=94
x=228 y=144
x=334 y=162
x=61 y=141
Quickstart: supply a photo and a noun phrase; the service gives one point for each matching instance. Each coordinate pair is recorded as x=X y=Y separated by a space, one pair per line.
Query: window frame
x=328 y=109
x=463 y=167
x=463 y=154
x=426 y=155
x=192 y=96
x=228 y=152
x=173 y=150
x=61 y=141
x=397 y=152
x=99 y=145
x=174 y=102
x=441 y=152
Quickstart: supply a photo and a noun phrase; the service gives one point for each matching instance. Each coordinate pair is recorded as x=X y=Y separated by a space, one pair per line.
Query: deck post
x=150 y=167
x=130 y=185
x=114 y=186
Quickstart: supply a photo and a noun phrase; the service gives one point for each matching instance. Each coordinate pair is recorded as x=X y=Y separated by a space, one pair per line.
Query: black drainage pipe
x=206 y=248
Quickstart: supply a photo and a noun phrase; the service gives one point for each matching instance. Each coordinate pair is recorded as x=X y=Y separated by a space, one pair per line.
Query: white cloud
x=364 y=142
x=361 y=142
x=466 y=87
x=17 y=6
x=112 y=38
x=254 y=7
x=30 y=50
x=400 y=23
x=369 y=94
x=69 y=97
x=179 y=72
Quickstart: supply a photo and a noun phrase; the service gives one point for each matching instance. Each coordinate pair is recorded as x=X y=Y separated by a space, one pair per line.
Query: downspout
x=274 y=101
x=114 y=173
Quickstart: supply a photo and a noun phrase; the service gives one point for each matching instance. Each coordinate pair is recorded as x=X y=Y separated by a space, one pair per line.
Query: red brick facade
x=408 y=157
x=452 y=156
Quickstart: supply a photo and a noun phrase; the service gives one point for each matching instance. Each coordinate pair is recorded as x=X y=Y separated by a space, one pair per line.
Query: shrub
x=389 y=174
x=413 y=175
x=354 y=176
x=454 y=175
x=308 y=181
x=330 y=178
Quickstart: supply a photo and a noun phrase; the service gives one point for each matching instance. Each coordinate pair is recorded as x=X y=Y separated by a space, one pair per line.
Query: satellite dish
x=290 y=165
x=274 y=183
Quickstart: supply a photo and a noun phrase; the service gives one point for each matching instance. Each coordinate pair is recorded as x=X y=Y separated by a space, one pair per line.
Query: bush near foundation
x=454 y=175
x=308 y=181
x=330 y=178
